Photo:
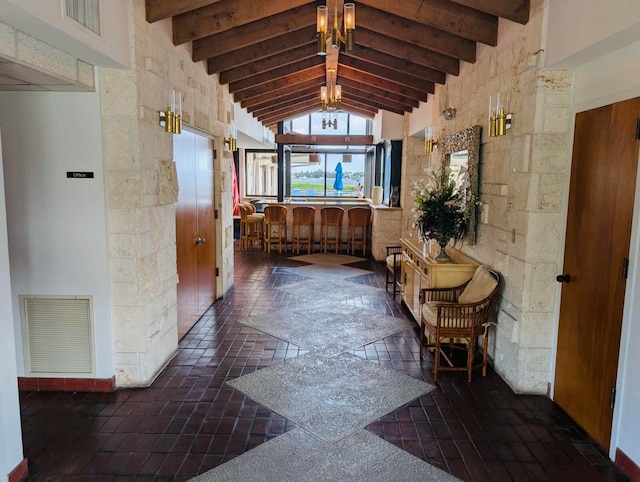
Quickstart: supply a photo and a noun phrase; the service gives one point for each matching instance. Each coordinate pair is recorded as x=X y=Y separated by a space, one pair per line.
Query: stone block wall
x=141 y=227
x=386 y=223
x=54 y=67
x=524 y=181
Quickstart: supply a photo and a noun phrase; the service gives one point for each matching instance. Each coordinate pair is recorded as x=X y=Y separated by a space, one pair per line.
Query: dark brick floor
x=189 y=421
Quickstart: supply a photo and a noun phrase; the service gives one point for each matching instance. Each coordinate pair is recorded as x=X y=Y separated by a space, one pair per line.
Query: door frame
x=632 y=290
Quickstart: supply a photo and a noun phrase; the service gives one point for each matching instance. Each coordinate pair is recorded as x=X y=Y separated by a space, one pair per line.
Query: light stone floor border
x=327 y=258
x=331 y=395
x=330 y=271
x=327 y=290
x=330 y=398
x=327 y=328
x=298 y=456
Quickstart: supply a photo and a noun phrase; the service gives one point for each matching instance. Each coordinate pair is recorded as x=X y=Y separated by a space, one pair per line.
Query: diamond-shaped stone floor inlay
x=331 y=271
x=330 y=329
x=327 y=258
x=330 y=397
x=297 y=455
x=327 y=289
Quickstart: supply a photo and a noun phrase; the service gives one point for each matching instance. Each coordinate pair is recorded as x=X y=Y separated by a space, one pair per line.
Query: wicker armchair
x=462 y=313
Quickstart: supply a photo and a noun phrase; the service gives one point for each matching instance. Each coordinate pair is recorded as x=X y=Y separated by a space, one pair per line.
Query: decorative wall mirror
x=463 y=149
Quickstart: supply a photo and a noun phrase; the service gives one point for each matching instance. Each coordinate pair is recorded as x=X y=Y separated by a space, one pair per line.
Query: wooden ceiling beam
x=282 y=83
x=444 y=15
x=252 y=107
x=274 y=74
x=254 y=32
x=268 y=64
x=416 y=34
x=417 y=55
x=279 y=104
x=225 y=15
x=261 y=50
x=313 y=105
x=354 y=110
x=387 y=73
x=314 y=83
x=355 y=101
x=291 y=113
x=161 y=9
x=379 y=102
x=377 y=92
x=396 y=63
x=323 y=140
x=358 y=76
x=514 y=10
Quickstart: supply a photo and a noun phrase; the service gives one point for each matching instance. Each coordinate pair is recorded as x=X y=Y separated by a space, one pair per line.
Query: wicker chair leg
x=470 y=357
x=485 y=349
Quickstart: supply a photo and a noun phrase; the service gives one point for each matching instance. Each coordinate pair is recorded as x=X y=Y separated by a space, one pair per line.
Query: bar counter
x=384 y=229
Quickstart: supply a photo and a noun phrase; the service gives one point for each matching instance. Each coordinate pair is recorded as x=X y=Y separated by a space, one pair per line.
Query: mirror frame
x=466 y=140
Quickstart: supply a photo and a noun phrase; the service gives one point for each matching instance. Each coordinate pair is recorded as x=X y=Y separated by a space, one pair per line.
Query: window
x=314 y=169
x=261 y=173
x=318 y=179
x=85 y=12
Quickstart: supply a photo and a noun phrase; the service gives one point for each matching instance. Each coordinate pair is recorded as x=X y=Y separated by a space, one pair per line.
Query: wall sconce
x=232 y=140
x=429 y=142
x=499 y=116
x=333 y=36
x=171 y=119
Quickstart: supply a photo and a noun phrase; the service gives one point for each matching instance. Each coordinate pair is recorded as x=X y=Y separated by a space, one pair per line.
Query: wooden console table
x=419 y=270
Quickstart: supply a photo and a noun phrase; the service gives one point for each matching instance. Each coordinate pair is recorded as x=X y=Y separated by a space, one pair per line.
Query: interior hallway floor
x=190 y=421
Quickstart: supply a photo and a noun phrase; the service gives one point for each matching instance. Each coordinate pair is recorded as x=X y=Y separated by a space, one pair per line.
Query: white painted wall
x=10 y=431
x=251 y=133
x=57 y=226
x=580 y=31
x=421 y=118
x=45 y=20
x=387 y=125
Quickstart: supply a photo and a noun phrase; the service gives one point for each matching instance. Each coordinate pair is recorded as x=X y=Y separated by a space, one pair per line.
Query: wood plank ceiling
x=266 y=51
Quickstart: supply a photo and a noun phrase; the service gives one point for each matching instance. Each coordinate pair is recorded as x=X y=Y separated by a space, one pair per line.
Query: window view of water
x=327 y=171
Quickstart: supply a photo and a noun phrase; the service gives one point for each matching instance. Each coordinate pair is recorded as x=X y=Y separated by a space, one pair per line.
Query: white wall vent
x=58 y=335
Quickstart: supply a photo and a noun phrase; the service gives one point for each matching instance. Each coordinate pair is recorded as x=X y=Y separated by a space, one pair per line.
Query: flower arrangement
x=441 y=206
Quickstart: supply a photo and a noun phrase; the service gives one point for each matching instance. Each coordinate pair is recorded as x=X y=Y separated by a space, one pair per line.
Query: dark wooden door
x=195 y=231
x=603 y=179
x=206 y=225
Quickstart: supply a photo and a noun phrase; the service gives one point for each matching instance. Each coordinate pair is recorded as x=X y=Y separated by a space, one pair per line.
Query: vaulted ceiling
x=266 y=50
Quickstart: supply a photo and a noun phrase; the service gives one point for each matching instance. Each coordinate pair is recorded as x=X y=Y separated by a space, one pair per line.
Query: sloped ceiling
x=265 y=50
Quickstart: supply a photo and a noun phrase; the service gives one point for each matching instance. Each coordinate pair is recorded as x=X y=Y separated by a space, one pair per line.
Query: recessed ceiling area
x=18 y=77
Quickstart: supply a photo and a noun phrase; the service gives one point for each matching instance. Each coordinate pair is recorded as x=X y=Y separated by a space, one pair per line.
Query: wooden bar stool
x=303 y=220
x=331 y=217
x=275 y=227
x=358 y=229
x=251 y=226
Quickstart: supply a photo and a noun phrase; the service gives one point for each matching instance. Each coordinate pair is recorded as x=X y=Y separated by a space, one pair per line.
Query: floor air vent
x=57 y=335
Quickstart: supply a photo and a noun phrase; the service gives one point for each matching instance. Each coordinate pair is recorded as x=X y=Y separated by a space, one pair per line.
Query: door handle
x=563 y=278
x=200 y=241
